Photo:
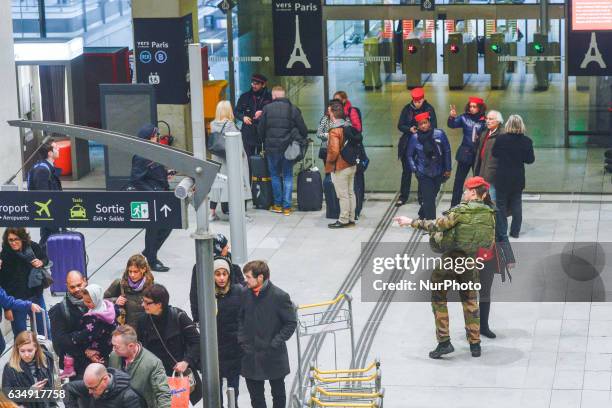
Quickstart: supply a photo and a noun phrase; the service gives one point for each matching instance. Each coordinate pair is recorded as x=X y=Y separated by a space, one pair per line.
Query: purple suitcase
x=67 y=252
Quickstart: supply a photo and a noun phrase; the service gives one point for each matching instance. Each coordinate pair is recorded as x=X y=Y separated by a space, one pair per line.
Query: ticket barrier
x=419 y=61
x=386 y=48
x=541 y=47
x=371 y=65
x=495 y=49
x=460 y=59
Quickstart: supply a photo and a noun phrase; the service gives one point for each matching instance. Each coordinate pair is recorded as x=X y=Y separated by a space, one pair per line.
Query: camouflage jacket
x=466 y=227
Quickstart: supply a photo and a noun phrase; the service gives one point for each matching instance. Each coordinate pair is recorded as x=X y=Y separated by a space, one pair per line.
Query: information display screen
x=591 y=15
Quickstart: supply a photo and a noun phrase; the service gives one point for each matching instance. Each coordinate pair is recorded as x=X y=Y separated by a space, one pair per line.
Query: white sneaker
x=213 y=217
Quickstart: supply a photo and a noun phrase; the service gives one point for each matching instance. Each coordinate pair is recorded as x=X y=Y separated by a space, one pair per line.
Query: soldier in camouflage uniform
x=464 y=229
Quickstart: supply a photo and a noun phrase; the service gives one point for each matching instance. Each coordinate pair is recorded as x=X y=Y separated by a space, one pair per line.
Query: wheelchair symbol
x=161 y=57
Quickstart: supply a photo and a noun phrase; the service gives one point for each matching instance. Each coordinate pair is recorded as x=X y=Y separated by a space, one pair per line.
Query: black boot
x=485 y=307
x=443 y=348
x=475 y=349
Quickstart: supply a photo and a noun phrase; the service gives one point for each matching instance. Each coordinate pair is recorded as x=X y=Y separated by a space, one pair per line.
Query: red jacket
x=352 y=115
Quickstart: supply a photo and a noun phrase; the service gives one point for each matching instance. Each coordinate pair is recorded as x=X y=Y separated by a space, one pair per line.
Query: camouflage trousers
x=469 y=300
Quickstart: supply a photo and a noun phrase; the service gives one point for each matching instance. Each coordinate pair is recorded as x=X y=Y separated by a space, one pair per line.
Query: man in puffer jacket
x=102 y=387
x=281 y=123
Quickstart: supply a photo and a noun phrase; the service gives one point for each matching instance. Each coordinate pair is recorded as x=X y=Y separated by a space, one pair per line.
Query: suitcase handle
x=33 y=323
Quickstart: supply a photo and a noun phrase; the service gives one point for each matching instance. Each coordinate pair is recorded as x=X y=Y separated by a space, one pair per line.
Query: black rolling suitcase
x=332 y=205
x=261 y=186
x=309 y=186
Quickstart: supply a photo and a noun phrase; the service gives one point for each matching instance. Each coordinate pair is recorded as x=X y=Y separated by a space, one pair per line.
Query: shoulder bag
x=188 y=373
x=216 y=142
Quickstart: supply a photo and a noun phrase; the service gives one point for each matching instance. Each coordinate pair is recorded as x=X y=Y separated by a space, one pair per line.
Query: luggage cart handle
x=348 y=394
x=371 y=377
x=33 y=323
x=374 y=364
x=343 y=404
x=328 y=303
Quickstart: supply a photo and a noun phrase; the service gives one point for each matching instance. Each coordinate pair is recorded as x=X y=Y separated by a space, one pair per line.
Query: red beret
x=474 y=182
x=475 y=99
x=421 y=116
x=417 y=94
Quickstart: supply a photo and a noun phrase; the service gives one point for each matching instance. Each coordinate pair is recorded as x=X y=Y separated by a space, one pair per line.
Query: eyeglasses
x=14 y=240
x=144 y=302
x=97 y=385
x=256 y=83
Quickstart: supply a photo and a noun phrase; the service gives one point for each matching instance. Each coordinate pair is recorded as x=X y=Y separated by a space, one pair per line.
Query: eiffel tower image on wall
x=298 y=54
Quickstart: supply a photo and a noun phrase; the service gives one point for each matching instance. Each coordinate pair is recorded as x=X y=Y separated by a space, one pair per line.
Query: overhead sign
x=298 y=38
x=590 y=39
x=161 y=56
x=92 y=209
x=591 y=15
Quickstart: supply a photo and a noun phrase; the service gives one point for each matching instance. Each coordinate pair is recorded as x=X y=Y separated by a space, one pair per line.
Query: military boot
x=475 y=349
x=443 y=348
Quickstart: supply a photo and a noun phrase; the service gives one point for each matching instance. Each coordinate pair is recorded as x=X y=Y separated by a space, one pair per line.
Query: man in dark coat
x=102 y=387
x=249 y=109
x=148 y=175
x=281 y=123
x=44 y=176
x=65 y=319
x=267 y=320
x=407 y=124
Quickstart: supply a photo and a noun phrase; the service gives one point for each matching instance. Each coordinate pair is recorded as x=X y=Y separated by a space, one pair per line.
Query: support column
x=10 y=154
x=178 y=116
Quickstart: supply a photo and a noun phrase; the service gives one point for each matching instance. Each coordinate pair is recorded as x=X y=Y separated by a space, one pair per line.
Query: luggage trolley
x=360 y=387
x=316 y=323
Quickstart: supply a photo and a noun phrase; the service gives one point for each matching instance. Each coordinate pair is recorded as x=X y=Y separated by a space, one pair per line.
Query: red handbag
x=486 y=254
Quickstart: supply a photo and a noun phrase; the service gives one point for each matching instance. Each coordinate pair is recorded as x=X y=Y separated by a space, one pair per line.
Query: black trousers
x=154 y=239
x=406 y=181
x=257 y=393
x=224 y=206
x=509 y=200
x=486 y=280
x=463 y=170
x=45 y=232
x=359 y=189
x=428 y=191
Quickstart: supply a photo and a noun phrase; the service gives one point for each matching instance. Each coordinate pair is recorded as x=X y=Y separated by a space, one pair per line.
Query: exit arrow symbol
x=165 y=209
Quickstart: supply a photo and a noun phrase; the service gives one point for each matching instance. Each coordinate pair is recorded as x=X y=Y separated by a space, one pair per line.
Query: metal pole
x=230 y=56
x=543 y=16
x=42 y=17
x=204 y=246
x=233 y=152
x=565 y=62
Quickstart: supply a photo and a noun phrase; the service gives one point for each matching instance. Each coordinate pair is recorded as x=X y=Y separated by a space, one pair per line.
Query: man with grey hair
x=281 y=123
x=148 y=376
x=486 y=165
x=102 y=387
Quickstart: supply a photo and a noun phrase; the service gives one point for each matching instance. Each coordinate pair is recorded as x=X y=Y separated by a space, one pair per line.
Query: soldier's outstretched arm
x=442 y=223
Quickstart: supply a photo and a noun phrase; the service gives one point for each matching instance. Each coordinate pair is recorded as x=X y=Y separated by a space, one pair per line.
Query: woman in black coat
x=29 y=367
x=512 y=150
x=171 y=335
x=19 y=256
x=228 y=296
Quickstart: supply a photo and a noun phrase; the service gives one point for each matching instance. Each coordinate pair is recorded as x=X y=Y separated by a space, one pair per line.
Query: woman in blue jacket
x=429 y=158
x=474 y=116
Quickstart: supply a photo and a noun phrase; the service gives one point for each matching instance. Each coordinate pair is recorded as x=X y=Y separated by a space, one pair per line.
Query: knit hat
x=475 y=182
x=421 y=116
x=417 y=94
x=221 y=263
x=476 y=100
x=259 y=78
x=147 y=131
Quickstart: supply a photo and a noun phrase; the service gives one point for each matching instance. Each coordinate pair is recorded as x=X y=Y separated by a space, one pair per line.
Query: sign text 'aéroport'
x=92 y=209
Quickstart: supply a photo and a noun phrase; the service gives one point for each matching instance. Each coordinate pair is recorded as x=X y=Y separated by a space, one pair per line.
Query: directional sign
x=92 y=209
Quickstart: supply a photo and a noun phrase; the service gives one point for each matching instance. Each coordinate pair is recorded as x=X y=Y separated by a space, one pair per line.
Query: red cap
x=475 y=182
x=417 y=94
x=475 y=99
x=421 y=116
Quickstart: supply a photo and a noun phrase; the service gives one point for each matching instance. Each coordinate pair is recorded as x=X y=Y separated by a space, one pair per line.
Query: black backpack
x=351 y=146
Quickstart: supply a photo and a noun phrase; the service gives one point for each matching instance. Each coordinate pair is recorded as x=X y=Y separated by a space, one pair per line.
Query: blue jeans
x=493 y=193
x=281 y=189
x=19 y=323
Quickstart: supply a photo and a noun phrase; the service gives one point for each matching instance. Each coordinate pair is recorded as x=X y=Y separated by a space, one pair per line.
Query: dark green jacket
x=147 y=377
